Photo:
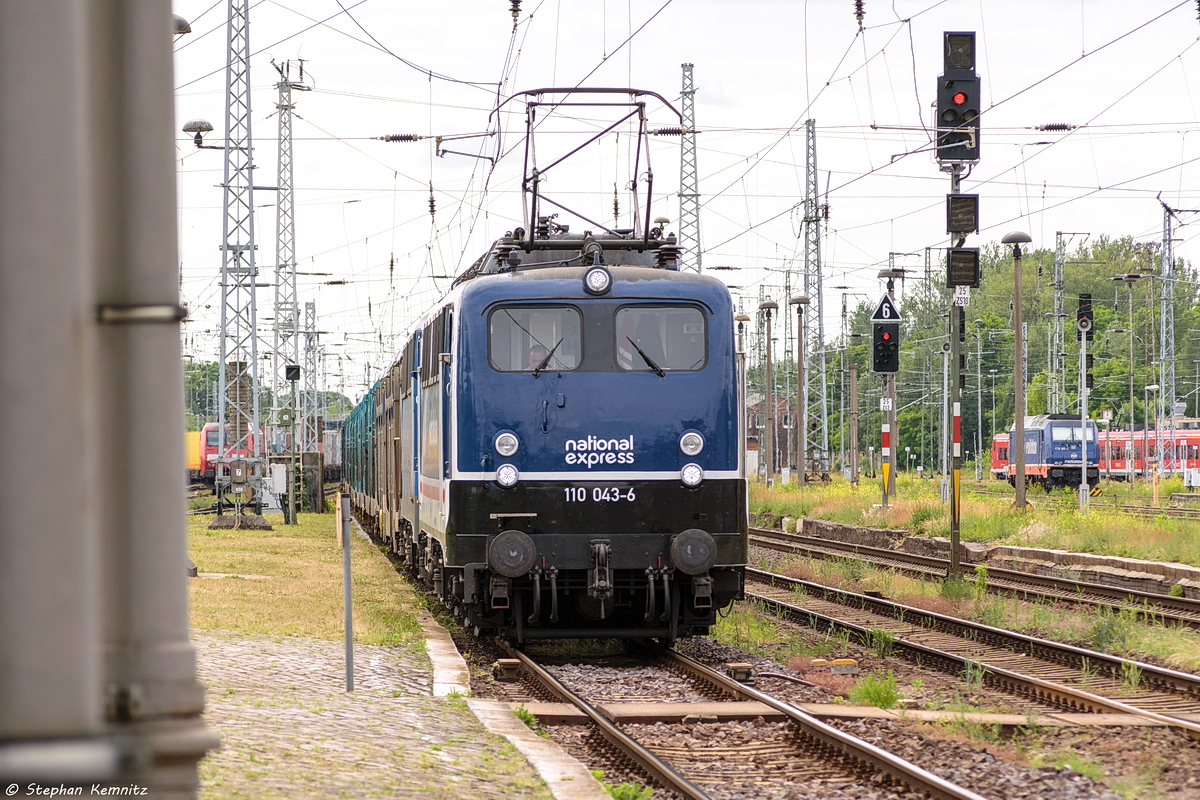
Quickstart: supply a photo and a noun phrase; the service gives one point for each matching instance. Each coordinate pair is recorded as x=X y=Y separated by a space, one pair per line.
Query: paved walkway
x=289 y=730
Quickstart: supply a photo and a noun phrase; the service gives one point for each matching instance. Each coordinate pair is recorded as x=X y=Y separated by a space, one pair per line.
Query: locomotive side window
x=520 y=339
x=670 y=338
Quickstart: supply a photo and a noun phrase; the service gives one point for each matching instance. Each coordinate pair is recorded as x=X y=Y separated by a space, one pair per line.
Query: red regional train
x=209 y=450
x=1123 y=454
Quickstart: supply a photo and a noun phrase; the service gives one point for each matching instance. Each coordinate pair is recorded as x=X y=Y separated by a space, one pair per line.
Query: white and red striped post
x=885 y=456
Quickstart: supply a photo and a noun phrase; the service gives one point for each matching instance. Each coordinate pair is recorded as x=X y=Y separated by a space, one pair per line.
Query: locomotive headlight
x=506 y=443
x=691 y=475
x=691 y=443
x=507 y=475
x=597 y=280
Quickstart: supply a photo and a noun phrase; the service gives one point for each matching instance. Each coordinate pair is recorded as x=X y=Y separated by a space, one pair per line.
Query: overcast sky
x=1118 y=70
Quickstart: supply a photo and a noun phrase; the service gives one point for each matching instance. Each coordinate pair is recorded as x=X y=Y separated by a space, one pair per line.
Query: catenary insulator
x=398 y=137
x=1055 y=127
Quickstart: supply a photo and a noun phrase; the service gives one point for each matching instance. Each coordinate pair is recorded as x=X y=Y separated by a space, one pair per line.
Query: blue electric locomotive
x=1055 y=452
x=555 y=452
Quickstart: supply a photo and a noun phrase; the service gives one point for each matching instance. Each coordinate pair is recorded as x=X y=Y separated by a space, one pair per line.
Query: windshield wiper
x=546 y=360
x=649 y=362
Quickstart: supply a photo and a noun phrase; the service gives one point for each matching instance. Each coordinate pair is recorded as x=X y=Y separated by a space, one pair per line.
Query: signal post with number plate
x=885 y=338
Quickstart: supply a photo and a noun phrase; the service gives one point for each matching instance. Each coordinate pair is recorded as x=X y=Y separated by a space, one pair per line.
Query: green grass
x=1125 y=632
x=917 y=508
x=288 y=582
x=624 y=791
x=877 y=689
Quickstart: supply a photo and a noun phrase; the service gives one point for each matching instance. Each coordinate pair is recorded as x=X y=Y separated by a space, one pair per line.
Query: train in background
x=1120 y=455
x=554 y=452
x=201 y=448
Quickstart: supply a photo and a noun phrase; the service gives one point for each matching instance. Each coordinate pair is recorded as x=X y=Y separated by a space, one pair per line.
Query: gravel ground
x=1138 y=762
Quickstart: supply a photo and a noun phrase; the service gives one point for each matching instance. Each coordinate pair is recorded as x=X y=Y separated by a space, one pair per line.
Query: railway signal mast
x=957 y=145
x=885 y=360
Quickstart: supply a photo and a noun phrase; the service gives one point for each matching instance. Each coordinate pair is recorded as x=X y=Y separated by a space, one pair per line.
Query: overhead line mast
x=689 y=179
x=238 y=409
x=814 y=416
x=286 y=344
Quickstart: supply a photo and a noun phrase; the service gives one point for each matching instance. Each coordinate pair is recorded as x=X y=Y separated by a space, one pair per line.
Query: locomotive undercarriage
x=1059 y=478
x=656 y=602
x=551 y=603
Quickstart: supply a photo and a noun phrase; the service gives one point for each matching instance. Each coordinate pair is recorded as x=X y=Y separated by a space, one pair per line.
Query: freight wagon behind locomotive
x=555 y=451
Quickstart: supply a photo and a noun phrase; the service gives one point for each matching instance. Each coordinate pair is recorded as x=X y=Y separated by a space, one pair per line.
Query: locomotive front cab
x=597 y=488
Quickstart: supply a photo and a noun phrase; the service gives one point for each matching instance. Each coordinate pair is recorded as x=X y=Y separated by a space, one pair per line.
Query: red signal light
x=960 y=98
x=887 y=336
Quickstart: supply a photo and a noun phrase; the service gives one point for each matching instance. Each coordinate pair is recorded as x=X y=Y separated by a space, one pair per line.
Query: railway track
x=1127 y=508
x=1063 y=675
x=1164 y=608
x=749 y=737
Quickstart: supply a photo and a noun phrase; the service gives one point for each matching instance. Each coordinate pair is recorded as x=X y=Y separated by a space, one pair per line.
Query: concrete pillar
x=97 y=676
x=50 y=684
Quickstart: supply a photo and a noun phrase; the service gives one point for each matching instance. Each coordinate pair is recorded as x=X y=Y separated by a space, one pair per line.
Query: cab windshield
x=1071 y=433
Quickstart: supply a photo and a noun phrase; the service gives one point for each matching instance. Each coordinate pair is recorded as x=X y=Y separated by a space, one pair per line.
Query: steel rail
x=1133 y=509
x=903 y=772
x=655 y=767
x=1184 y=610
x=1165 y=679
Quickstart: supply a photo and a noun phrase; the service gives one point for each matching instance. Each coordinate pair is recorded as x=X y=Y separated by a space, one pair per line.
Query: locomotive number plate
x=599 y=494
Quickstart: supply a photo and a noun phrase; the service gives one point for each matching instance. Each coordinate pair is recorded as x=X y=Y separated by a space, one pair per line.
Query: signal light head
x=960 y=98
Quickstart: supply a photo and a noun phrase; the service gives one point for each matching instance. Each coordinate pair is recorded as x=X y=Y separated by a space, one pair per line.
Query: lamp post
x=1017 y=445
x=1129 y=279
x=767 y=307
x=800 y=424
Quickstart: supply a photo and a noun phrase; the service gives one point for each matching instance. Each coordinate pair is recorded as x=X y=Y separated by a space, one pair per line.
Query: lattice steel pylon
x=1056 y=342
x=1166 y=347
x=310 y=435
x=286 y=340
x=689 y=179
x=815 y=390
x=238 y=410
